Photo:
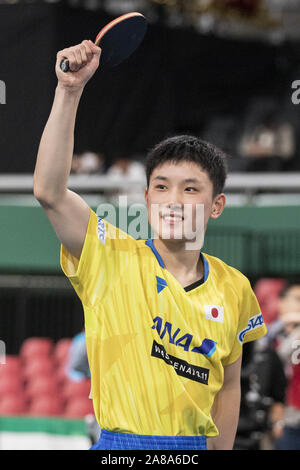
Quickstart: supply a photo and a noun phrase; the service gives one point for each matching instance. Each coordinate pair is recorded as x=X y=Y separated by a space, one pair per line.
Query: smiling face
x=180 y=201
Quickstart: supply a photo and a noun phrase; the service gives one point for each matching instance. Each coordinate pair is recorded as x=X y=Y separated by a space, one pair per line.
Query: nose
x=175 y=206
x=175 y=200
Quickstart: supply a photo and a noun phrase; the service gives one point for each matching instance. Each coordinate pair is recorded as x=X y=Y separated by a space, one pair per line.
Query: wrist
x=69 y=91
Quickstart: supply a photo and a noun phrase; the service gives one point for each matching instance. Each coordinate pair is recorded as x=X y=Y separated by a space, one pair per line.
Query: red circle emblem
x=214 y=312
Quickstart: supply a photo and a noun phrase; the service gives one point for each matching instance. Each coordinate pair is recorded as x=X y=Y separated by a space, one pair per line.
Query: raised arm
x=67 y=211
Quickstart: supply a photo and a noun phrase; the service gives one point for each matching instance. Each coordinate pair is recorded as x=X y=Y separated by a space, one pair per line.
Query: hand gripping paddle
x=118 y=39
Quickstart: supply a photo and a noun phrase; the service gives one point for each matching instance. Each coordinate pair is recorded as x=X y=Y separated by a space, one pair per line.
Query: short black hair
x=189 y=148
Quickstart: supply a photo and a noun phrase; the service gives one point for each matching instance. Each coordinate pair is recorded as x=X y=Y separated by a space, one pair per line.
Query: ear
x=218 y=206
x=146 y=195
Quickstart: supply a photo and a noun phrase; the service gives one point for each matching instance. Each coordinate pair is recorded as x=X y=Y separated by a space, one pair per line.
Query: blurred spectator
x=272 y=380
x=287 y=340
x=125 y=166
x=88 y=163
x=263 y=386
x=289 y=302
x=133 y=170
x=269 y=138
x=289 y=349
x=270 y=405
x=224 y=131
x=77 y=367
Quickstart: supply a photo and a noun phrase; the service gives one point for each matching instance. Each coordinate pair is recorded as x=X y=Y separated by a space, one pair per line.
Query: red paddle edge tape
x=114 y=22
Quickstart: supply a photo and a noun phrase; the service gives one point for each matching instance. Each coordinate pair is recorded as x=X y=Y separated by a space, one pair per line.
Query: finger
x=78 y=56
x=67 y=55
x=73 y=64
x=61 y=55
x=88 y=49
x=83 y=54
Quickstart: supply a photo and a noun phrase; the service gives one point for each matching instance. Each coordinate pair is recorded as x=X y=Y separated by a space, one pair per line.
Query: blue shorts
x=121 y=441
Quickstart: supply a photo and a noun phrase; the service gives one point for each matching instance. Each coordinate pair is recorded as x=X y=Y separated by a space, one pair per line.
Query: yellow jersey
x=156 y=351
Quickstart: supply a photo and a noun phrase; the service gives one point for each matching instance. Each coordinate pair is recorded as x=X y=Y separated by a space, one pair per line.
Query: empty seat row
x=35 y=382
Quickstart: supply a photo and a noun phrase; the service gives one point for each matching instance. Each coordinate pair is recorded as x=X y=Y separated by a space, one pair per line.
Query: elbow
x=46 y=200
x=38 y=192
x=49 y=186
x=40 y=195
x=47 y=196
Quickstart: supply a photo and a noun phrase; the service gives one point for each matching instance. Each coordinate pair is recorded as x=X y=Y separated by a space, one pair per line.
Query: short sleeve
x=102 y=260
x=251 y=325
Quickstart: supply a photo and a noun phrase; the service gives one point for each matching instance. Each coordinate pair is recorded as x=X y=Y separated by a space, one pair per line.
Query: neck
x=185 y=265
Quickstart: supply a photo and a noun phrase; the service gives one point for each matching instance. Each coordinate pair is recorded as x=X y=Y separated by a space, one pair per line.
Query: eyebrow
x=187 y=180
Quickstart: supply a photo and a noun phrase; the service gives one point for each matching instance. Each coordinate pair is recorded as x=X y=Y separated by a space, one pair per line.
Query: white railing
x=253 y=182
x=11 y=183
x=241 y=188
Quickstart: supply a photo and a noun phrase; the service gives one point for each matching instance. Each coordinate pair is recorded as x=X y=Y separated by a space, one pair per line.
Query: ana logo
x=214 y=313
x=101 y=230
x=254 y=322
x=207 y=348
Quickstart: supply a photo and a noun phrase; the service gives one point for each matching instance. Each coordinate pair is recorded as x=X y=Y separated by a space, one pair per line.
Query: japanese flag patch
x=214 y=313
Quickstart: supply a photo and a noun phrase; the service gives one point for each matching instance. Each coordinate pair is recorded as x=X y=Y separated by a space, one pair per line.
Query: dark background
x=176 y=82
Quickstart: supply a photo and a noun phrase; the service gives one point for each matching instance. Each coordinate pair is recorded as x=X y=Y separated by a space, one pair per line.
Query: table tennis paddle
x=118 y=39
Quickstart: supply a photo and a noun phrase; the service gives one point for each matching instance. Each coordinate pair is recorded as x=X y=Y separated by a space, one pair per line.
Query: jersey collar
x=150 y=243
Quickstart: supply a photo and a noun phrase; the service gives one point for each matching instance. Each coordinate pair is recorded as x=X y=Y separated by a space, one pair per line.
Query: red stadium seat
x=79 y=407
x=61 y=350
x=36 y=347
x=10 y=384
x=12 y=363
x=268 y=287
x=41 y=386
x=10 y=368
x=12 y=405
x=61 y=374
x=7 y=372
x=37 y=367
x=267 y=292
x=46 y=405
x=270 y=310
x=76 y=389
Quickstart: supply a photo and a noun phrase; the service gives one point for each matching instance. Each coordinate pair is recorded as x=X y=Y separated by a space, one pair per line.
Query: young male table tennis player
x=164 y=325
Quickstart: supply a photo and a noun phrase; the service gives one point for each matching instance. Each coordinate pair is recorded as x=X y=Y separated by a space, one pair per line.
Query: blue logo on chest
x=160 y=284
x=207 y=348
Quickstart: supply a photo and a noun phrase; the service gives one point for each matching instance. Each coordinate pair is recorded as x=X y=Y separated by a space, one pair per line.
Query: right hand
x=83 y=62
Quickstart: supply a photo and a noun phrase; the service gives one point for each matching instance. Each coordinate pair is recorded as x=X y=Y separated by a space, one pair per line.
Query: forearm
x=55 y=152
x=225 y=414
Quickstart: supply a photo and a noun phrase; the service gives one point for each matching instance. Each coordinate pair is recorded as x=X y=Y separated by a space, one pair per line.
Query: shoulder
x=107 y=230
x=223 y=272
x=142 y=249
x=223 y=269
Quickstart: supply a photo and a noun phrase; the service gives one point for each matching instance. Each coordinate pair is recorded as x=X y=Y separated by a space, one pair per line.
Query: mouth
x=172 y=218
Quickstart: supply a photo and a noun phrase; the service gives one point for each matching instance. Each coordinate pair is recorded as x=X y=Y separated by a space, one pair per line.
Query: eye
x=190 y=189
x=160 y=186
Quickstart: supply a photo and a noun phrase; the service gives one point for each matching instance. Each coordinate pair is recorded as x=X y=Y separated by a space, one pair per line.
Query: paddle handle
x=64 y=65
